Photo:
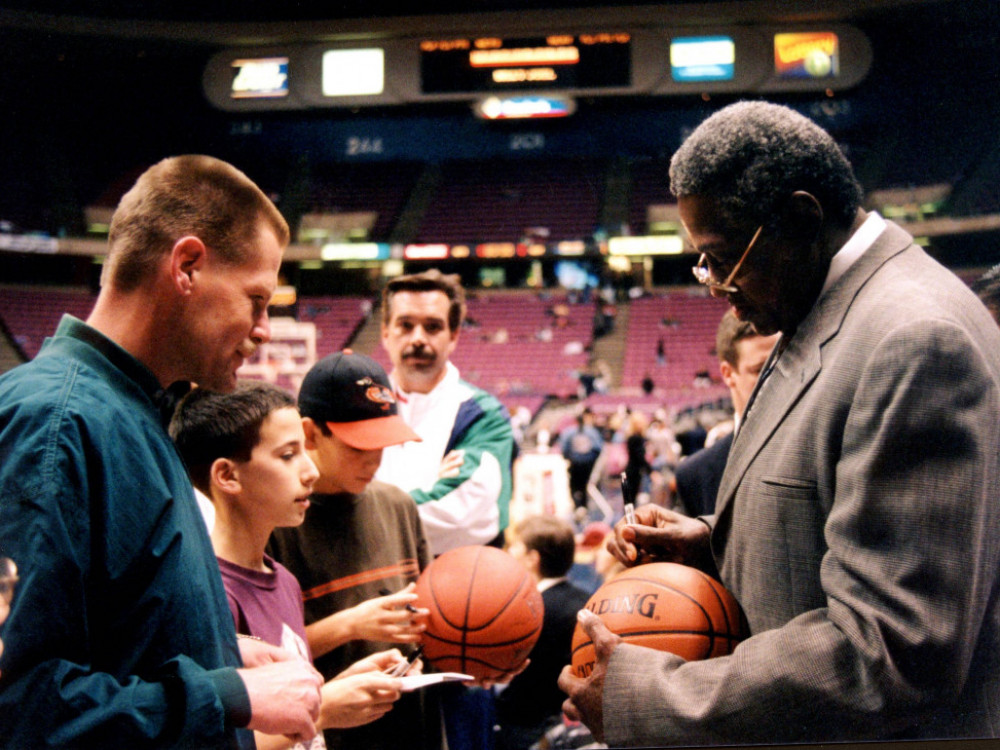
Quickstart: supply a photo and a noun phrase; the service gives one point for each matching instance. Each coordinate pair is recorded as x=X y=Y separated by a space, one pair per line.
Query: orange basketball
x=664 y=606
x=485 y=611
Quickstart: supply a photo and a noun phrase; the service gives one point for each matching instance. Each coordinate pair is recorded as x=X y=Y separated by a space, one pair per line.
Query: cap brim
x=372 y=434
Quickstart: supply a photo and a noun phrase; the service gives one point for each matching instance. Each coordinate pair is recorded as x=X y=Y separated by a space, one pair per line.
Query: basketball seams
x=718 y=598
x=693 y=641
x=492 y=644
x=679 y=592
x=518 y=594
x=477 y=583
x=468 y=608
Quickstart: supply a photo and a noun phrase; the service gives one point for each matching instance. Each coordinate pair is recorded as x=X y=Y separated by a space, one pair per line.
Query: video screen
x=702 y=58
x=259 y=78
x=807 y=55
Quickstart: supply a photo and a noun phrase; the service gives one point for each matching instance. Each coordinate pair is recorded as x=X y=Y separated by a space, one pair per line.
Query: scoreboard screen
x=557 y=61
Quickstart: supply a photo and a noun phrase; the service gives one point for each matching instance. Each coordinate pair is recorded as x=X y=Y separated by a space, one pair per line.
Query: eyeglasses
x=8 y=579
x=704 y=276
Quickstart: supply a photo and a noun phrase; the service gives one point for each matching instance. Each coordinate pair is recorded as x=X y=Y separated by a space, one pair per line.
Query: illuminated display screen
x=703 y=58
x=561 y=61
x=806 y=55
x=353 y=72
x=259 y=78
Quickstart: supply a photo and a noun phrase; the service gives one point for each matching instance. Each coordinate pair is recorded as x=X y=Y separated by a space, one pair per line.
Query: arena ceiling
x=222 y=22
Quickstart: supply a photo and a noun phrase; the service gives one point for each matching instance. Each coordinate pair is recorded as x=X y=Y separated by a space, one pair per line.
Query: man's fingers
x=568 y=681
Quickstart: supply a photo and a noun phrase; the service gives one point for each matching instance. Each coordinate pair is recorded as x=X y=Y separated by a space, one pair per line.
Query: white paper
x=413 y=682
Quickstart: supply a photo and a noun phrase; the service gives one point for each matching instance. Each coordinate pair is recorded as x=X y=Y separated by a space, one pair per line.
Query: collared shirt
x=854 y=248
x=120 y=634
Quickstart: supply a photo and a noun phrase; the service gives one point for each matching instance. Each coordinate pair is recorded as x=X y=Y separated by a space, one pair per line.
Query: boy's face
x=279 y=477
x=341 y=467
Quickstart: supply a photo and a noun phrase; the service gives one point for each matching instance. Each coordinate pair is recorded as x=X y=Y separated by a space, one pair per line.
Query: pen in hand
x=408 y=607
x=403 y=667
x=629 y=505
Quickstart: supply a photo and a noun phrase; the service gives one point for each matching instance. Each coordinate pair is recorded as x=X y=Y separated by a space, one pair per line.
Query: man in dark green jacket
x=120 y=635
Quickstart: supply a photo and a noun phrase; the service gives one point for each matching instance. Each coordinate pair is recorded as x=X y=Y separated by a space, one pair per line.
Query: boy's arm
x=384 y=618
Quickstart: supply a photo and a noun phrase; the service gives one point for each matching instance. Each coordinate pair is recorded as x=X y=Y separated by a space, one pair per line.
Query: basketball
x=665 y=606
x=485 y=612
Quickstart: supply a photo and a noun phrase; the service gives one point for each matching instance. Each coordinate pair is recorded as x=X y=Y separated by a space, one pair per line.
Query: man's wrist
x=233 y=695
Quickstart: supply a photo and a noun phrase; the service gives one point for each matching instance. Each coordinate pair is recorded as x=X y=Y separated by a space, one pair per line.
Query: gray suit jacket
x=859 y=525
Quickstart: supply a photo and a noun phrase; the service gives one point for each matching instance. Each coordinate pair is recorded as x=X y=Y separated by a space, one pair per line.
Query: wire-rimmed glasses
x=704 y=275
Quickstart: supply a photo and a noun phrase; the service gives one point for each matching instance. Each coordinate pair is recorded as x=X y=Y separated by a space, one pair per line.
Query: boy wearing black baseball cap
x=362 y=538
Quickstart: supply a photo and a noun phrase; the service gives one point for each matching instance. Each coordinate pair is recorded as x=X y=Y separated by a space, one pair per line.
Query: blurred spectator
x=581 y=445
x=638 y=467
x=532 y=702
x=742 y=353
x=588 y=546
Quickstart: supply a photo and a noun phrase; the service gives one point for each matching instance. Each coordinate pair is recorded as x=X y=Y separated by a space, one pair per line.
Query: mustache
x=417 y=353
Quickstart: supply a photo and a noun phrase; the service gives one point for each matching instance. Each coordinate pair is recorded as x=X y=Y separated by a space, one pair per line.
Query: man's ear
x=727 y=371
x=534 y=561
x=310 y=428
x=187 y=256
x=224 y=474
x=803 y=217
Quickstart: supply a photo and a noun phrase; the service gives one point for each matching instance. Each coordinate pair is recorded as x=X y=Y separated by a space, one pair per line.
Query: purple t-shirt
x=267 y=605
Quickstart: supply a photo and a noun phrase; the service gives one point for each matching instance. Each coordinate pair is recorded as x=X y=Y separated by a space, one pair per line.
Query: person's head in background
x=987 y=288
x=349 y=416
x=742 y=353
x=194 y=250
x=545 y=545
x=246 y=451
x=636 y=423
x=421 y=318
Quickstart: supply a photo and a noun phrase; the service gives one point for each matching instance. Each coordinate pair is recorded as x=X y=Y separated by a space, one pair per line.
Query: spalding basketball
x=485 y=612
x=668 y=607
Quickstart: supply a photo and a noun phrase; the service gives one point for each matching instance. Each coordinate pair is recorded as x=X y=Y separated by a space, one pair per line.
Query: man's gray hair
x=751 y=156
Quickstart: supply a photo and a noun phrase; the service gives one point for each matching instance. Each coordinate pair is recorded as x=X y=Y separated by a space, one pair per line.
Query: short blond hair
x=186 y=195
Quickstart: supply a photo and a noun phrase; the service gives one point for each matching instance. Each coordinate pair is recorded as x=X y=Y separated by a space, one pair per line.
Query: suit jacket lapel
x=801 y=361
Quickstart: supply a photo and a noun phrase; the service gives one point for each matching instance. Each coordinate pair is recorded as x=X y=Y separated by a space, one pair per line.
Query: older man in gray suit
x=858 y=520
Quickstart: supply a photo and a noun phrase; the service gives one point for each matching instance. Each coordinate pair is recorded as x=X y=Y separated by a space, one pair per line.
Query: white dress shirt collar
x=854 y=248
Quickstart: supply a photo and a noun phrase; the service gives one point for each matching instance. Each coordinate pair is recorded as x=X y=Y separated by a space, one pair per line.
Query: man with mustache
x=121 y=634
x=460 y=472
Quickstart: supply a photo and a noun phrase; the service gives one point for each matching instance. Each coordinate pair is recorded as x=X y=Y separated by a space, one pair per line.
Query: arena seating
x=502 y=347
x=686 y=322
x=650 y=184
x=32 y=314
x=336 y=319
x=503 y=201
x=382 y=188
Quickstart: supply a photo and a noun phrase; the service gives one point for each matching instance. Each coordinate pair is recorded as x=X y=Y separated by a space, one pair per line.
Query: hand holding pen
x=389 y=618
x=628 y=500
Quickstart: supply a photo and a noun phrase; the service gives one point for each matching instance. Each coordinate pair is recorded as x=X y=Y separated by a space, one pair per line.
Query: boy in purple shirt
x=246 y=451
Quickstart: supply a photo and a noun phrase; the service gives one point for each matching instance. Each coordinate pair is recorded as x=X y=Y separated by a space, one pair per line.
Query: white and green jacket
x=472 y=507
